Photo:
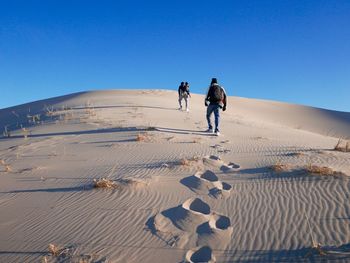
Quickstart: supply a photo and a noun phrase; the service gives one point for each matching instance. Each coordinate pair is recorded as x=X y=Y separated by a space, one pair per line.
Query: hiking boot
x=209 y=130
x=180 y=108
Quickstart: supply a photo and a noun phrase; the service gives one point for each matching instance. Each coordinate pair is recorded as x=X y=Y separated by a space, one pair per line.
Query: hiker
x=215 y=100
x=184 y=93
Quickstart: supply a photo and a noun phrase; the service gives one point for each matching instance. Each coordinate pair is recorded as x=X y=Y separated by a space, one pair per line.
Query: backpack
x=217 y=93
x=184 y=90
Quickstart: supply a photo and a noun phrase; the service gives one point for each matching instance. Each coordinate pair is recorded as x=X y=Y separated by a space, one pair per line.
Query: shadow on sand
x=53 y=190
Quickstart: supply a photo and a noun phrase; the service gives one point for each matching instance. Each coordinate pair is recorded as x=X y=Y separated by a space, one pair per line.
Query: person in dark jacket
x=184 y=93
x=215 y=100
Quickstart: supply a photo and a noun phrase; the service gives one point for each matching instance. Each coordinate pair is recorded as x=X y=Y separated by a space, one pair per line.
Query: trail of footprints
x=193 y=222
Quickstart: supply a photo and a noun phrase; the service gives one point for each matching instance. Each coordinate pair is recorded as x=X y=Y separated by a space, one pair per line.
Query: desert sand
x=177 y=193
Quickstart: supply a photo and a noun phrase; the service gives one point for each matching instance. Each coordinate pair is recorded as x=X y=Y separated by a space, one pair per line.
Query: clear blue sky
x=295 y=51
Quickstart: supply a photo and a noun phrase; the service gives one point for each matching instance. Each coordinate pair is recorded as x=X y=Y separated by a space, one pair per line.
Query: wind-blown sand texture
x=178 y=194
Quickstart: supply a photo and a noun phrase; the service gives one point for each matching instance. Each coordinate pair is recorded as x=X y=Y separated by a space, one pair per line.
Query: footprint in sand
x=200 y=254
x=175 y=226
x=207 y=182
x=185 y=217
x=216 y=161
x=217 y=230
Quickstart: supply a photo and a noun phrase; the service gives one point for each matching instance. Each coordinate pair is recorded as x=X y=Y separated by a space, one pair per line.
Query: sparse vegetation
x=342 y=146
x=321 y=170
x=104 y=183
x=309 y=169
x=189 y=162
x=316 y=247
x=50 y=112
x=55 y=250
x=68 y=254
x=34 y=118
x=7 y=167
x=278 y=167
x=185 y=162
x=143 y=137
x=6 y=132
x=25 y=132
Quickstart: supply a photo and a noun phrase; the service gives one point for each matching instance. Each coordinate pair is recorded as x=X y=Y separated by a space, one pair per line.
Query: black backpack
x=217 y=93
x=184 y=90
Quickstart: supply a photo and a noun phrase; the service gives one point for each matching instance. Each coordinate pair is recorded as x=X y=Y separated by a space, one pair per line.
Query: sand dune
x=181 y=195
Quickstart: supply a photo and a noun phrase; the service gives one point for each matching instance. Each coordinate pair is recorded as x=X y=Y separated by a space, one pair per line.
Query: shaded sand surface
x=183 y=195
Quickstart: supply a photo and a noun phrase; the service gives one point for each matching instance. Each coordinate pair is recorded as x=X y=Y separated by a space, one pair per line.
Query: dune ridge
x=183 y=195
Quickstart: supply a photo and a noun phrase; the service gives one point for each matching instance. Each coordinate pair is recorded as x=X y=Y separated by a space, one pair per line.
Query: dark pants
x=216 y=109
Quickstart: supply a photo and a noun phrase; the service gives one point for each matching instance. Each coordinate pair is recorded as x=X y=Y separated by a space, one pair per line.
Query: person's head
x=214 y=81
x=186 y=83
x=182 y=83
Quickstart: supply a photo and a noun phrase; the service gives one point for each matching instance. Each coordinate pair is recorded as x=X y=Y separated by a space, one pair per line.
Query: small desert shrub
x=50 y=111
x=189 y=162
x=56 y=250
x=321 y=170
x=342 y=146
x=143 y=137
x=278 y=167
x=7 y=167
x=185 y=162
x=25 y=132
x=104 y=183
x=6 y=132
x=33 y=118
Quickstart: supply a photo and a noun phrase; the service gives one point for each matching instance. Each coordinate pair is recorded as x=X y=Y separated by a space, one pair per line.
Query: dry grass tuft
x=278 y=167
x=318 y=249
x=33 y=118
x=342 y=146
x=7 y=167
x=143 y=137
x=6 y=132
x=189 y=162
x=68 y=254
x=25 y=132
x=321 y=170
x=55 y=250
x=104 y=183
x=50 y=111
x=140 y=137
x=185 y=162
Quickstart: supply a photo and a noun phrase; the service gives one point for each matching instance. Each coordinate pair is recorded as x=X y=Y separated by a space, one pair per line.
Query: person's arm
x=188 y=91
x=225 y=99
x=207 y=97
